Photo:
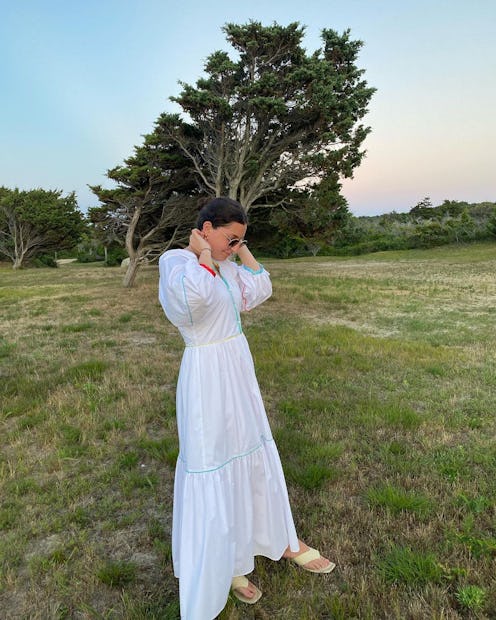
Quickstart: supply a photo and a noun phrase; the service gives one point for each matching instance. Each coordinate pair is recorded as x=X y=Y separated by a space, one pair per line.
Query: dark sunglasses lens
x=233 y=242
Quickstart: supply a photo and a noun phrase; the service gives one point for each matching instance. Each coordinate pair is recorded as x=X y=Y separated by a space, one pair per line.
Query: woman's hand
x=197 y=242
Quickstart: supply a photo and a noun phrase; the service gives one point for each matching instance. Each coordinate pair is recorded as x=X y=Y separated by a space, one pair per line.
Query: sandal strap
x=239 y=582
x=306 y=557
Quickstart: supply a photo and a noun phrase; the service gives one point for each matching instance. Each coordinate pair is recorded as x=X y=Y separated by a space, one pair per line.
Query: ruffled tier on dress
x=222 y=519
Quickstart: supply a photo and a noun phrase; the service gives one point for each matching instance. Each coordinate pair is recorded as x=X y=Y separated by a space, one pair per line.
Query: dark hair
x=221 y=211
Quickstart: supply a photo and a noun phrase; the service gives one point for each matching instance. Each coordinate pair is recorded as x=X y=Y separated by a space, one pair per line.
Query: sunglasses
x=232 y=241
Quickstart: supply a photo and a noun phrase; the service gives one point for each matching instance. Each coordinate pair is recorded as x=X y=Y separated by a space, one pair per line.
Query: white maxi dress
x=230 y=496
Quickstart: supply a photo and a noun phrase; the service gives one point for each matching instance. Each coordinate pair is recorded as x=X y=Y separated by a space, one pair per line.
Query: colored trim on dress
x=263 y=440
x=209 y=269
x=254 y=271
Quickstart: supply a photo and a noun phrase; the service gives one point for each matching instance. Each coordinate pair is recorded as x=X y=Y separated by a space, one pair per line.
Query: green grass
x=397 y=500
x=379 y=378
x=471 y=597
x=412 y=568
x=117 y=573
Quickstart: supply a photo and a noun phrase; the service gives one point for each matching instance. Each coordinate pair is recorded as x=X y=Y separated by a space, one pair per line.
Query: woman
x=230 y=497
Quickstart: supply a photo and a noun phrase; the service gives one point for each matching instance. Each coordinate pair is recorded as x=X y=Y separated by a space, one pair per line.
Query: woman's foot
x=245 y=591
x=316 y=563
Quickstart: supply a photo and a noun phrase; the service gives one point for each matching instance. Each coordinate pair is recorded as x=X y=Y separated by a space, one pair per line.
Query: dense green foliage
x=152 y=205
x=262 y=123
x=36 y=222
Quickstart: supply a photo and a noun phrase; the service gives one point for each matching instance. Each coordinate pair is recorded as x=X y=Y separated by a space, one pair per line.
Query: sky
x=81 y=82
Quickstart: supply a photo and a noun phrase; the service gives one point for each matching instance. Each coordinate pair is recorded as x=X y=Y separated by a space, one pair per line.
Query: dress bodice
x=206 y=309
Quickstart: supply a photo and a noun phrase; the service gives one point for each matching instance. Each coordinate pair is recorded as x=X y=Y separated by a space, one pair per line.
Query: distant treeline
x=424 y=226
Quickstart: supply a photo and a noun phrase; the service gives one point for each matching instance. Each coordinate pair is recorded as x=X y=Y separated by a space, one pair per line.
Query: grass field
x=379 y=378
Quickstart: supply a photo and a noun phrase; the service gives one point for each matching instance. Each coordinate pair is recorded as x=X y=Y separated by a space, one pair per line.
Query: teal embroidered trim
x=236 y=312
x=253 y=271
x=234 y=458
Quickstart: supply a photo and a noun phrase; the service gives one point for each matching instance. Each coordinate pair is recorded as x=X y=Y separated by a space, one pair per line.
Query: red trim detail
x=208 y=269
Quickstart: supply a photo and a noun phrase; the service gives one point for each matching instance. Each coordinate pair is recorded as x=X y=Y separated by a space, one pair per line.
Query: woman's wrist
x=247 y=258
x=243 y=248
x=205 y=260
x=205 y=255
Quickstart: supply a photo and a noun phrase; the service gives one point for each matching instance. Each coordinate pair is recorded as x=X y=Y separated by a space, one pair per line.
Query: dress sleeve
x=185 y=289
x=255 y=286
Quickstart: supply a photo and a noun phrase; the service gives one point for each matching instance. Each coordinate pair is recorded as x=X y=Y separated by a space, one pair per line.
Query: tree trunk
x=133 y=253
x=19 y=251
x=131 y=272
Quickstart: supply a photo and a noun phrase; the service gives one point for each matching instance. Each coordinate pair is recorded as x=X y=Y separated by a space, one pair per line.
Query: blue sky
x=82 y=81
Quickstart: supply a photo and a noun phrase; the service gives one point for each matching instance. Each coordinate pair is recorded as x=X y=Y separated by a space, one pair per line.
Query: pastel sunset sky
x=82 y=81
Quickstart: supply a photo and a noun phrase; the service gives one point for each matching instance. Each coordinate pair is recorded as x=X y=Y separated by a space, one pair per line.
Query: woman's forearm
x=247 y=258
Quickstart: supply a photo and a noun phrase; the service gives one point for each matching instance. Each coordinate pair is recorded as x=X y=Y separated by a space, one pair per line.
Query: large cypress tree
x=274 y=115
x=265 y=127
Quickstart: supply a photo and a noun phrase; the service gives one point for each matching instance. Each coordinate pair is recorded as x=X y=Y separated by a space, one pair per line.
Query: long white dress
x=230 y=496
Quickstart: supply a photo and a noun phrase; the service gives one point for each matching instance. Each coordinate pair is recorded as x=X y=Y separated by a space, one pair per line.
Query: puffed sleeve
x=185 y=288
x=255 y=286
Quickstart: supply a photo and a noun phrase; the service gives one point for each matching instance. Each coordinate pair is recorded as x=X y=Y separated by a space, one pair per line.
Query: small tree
x=423 y=209
x=36 y=222
x=153 y=205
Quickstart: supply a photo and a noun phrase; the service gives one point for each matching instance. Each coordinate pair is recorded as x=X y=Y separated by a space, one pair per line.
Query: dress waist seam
x=207 y=344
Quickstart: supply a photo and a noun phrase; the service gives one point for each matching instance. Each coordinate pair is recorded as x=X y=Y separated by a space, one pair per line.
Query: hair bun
x=202 y=201
x=221 y=211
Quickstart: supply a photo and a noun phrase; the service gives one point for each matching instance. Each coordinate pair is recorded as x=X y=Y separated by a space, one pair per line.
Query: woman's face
x=222 y=239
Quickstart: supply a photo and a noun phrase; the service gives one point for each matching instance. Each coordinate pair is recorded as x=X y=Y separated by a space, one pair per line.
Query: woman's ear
x=207 y=227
